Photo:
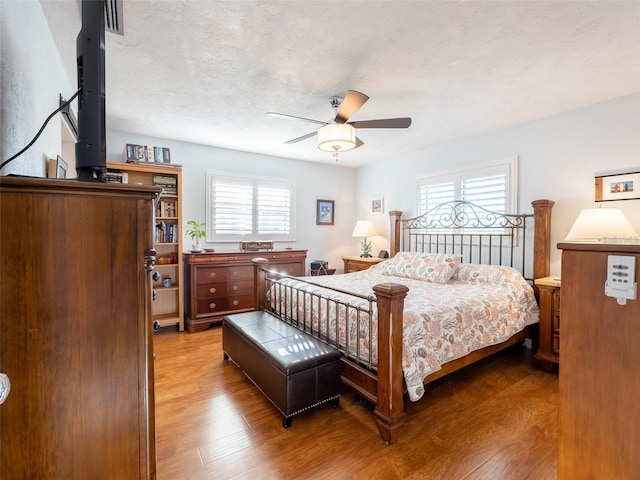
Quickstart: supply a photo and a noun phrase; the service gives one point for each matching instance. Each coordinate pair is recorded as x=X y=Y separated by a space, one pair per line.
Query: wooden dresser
x=356 y=264
x=599 y=417
x=223 y=282
x=548 y=354
x=76 y=336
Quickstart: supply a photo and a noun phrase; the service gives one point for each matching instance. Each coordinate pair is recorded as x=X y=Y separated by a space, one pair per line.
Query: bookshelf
x=168 y=306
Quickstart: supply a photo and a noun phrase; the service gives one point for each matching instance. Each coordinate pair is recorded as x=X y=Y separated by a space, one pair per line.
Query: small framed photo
x=57 y=168
x=624 y=186
x=377 y=205
x=325 y=211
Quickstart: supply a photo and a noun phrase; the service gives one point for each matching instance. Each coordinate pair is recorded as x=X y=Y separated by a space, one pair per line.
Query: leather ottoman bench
x=295 y=371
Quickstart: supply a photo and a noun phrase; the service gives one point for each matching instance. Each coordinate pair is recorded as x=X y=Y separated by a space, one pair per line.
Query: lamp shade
x=336 y=137
x=602 y=225
x=364 y=228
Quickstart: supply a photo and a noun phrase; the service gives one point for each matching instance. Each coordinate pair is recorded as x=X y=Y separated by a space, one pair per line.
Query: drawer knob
x=235 y=288
x=212 y=306
x=5 y=387
x=236 y=303
x=235 y=274
x=212 y=274
x=212 y=290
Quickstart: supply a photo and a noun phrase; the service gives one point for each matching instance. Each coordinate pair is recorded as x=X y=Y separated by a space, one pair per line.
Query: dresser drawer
x=556 y=301
x=548 y=354
x=210 y=275
x=293 y=269
x=210 y=306
x=239 y=273
x=357 y=267
x=211 y=290
x=556 y=322
x=240 y=287
x=240 y=302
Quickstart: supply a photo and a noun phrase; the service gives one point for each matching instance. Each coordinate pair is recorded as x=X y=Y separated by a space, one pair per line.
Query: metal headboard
x=478 y=234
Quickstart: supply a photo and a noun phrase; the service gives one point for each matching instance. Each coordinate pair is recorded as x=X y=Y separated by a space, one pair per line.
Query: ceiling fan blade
x=350 y=105
x=299 y=139
x=359 y=142
x=284 y=115
x=383 y=123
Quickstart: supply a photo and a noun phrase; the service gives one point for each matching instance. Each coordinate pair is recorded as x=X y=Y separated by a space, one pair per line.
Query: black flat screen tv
x=91 y=147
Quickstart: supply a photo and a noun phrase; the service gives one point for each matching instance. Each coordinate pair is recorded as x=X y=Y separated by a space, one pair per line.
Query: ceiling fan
x=339 y=135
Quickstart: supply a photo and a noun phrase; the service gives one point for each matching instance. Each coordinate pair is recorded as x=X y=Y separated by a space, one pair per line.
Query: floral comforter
x=479 y=305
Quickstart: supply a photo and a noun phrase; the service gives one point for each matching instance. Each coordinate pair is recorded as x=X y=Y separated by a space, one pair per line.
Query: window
x=249 y=208
x=491 y=186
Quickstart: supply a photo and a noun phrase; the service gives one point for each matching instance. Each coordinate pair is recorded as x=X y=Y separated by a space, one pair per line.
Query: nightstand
x=548 y=354
x=356 y=264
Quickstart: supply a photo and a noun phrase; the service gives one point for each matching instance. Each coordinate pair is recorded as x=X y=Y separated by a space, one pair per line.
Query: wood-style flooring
x=494 y=420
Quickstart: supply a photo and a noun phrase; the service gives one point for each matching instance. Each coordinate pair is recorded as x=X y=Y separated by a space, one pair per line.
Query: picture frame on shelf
x=325 y=212
x=617 y=186
x=58 y=168
x=377 y=205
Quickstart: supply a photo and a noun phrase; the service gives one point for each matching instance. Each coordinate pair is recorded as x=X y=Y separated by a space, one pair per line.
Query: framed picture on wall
x=57 y=168
x=377 y=205
x=623 y=186
x=325 y=212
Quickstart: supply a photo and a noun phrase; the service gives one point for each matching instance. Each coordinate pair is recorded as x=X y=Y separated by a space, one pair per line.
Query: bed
x=457 y=288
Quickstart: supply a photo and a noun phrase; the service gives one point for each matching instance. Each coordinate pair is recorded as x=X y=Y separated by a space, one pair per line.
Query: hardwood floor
x=494 y=420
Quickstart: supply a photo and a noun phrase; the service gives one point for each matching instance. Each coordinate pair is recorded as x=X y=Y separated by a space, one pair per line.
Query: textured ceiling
x=207 y=71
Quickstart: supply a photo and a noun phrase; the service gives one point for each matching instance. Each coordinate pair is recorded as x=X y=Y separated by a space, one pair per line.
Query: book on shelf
x=116 y=177
x=166 y=208
x=167 y=182
x=166 y=232
x=157 y=154
x=144 y=153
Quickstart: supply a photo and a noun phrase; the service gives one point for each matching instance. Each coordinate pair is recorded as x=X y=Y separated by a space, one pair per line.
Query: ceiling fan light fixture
x=337 y=137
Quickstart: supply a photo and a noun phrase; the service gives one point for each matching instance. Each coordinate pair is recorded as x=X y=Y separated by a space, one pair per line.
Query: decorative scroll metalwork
x=478 y=234
x=462 y=214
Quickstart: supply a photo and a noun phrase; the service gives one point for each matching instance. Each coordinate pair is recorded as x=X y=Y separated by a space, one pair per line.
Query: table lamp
x=364 y=229
x=602 y=225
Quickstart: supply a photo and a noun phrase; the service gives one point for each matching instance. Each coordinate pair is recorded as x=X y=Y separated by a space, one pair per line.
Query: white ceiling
x=207 y=71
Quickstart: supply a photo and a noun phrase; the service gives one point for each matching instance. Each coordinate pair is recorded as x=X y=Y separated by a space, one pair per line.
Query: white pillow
x=429 y=267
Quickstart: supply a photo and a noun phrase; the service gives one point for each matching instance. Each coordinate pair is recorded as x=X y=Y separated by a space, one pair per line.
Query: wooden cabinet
x=168 y=284
x=356 y=264
x=75 y=330
x=223 y=282
x=548 y=353
x=599 y=418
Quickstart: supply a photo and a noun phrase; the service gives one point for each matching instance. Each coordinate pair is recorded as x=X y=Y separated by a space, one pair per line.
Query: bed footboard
x=385 y=386
x=389 y=410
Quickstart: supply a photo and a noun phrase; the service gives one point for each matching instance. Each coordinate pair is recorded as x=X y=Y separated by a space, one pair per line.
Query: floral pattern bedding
x=479 y=305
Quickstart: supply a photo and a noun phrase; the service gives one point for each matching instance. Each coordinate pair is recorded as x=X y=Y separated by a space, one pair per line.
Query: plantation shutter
x=491 y=186
x=249 y=208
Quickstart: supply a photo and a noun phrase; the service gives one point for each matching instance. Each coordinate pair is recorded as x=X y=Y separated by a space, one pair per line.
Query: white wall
x=32 y=77
x=558 y=158
x=313 y=180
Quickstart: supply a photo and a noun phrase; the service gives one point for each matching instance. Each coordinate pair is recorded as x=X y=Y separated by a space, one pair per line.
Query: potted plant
x=196 y=232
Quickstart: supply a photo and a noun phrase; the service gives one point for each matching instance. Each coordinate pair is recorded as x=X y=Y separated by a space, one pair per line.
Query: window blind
x=249 y=208
x=491 y=186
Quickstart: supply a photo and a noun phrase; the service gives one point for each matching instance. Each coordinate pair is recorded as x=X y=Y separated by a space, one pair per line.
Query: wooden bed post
x=260 y=277
x=395 y=234
x=389 y=412
x=542 y=237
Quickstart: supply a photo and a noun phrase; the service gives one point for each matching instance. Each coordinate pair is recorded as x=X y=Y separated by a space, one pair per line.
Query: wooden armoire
x=75 y=330
x=599 y=417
